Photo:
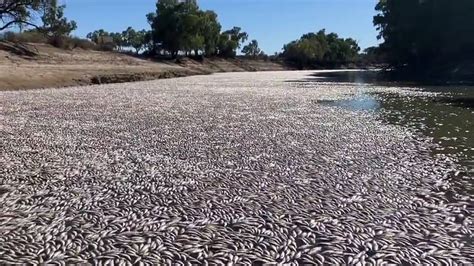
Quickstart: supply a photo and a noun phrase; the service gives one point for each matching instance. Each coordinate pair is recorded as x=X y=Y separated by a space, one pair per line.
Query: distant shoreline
x=54 y=68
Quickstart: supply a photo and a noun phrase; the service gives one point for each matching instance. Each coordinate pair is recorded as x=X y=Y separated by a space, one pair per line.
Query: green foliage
x=95 y=35
x=373 y=55
x=18 y=12
x=54 y=22
x=190 y=37
x=55 y=30
x=230 y=41
x=117 y=39
x=168 y=24
x=252 y=49
x=98 y=36
x=183 y=27
x=133 y=38
x=321 y=49
x=420 y=35
x=149 y=45
x=210 y=30
x=127 y=38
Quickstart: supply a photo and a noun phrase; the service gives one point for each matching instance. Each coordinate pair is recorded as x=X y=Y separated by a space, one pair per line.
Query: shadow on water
x=356 y=76
x=446 y=116
x=353 y=76
x=459 y=102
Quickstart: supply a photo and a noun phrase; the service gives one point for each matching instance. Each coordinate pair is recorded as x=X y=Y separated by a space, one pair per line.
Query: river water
x=445 y=114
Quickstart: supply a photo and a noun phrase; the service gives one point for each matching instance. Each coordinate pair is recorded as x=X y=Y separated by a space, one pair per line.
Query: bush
x=6 y=36
x=69 y=43
x=62 y=42
x=83 y=44
x=108 y=47
x=27 y=36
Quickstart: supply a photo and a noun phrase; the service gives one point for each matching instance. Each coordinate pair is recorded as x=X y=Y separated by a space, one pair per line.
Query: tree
x=182 y=27
x=210 y=30
x=190 y=21
x=252 y=49
x=54 y=22
x=321 y=49
x=18 y=12
x=303 y=53
x=118 y=39
x=127 y=35
x=135 y=39
x=95 y=35
x=422 y=35
x=373 y=55
x=167 y=25
x=230 y=41
x=106 y=41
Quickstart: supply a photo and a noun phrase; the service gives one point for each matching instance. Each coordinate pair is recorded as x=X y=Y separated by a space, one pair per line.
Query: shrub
x=61 y=42
x=27 y=36
x=83 y=44
x=108 y=47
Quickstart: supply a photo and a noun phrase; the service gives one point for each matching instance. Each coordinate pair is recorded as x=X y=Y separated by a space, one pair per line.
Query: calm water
x=446 y=116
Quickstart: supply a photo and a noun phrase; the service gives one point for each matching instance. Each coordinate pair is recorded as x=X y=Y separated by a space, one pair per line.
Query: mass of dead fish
x=240 y=168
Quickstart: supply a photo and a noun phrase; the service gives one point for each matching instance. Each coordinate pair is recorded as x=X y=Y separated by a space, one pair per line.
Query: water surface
x=446 y=115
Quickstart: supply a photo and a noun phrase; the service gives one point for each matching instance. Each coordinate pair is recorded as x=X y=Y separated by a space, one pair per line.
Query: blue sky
x=272 y=22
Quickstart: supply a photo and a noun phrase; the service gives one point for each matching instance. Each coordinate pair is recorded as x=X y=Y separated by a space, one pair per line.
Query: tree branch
x=17 y=21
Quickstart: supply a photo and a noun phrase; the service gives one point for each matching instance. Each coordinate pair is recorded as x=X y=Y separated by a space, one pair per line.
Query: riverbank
x=46 y=66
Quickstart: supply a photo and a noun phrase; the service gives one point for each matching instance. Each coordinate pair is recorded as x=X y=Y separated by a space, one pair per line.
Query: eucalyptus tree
x=210 y=29
x=321 y=50
x=54 y=22
x=230 y=41
x=95 y=35
x=134 y=39
x=18 y=12
x=252 y=49
x=179 y=26
x=420 y=36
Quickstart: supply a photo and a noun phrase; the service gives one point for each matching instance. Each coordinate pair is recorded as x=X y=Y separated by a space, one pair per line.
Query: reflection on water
x=447 y=117
x=363 y=102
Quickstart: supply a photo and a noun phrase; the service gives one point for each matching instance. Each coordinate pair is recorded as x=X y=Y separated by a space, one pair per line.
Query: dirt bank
x=44 y=66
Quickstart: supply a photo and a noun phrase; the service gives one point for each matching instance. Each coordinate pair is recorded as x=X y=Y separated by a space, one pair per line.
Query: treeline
x=316 y=50
x=427 y=38
x=120 y=40
x=176 y=28
x=182 y=28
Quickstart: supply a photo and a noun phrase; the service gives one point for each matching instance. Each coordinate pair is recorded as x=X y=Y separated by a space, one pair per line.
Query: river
x=237 y=168
x=445 y=114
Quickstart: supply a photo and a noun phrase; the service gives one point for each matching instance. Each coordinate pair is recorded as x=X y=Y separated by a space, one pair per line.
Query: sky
x=272 y=22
